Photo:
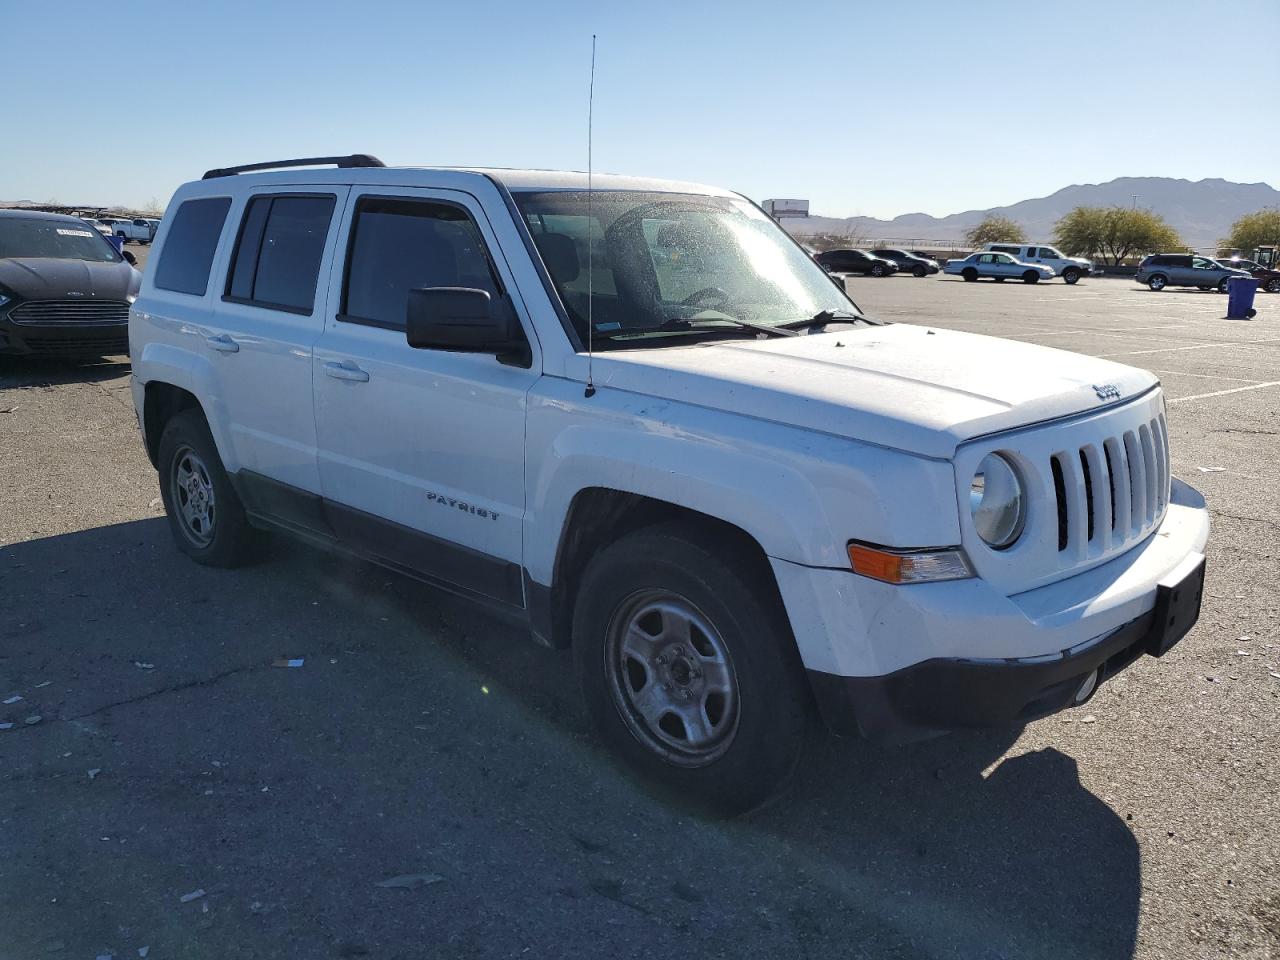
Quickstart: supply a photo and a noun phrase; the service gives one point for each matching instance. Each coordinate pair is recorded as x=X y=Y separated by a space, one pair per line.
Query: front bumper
x=81 y=339
x=901 y=662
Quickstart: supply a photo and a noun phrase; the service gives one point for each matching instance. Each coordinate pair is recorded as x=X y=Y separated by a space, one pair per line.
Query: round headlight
x=997 y=501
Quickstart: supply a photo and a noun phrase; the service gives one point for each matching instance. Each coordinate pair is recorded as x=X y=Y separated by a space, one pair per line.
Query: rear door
x=421 y=452
x=268 y=315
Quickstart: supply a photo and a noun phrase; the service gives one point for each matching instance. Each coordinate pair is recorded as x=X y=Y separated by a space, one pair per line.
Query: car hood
x=44 y=278
x=910 y=388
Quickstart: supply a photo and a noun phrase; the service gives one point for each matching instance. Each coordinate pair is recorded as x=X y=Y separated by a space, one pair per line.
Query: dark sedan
x=64 y=290
x=855 y=261
x=908 y=262
x=1267 y=277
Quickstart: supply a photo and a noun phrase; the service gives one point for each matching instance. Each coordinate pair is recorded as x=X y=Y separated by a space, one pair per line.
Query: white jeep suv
x=644 y=421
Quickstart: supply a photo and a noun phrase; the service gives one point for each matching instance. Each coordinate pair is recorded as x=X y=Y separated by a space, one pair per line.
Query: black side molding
x=347 y=162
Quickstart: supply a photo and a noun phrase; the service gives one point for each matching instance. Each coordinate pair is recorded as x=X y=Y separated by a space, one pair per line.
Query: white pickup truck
x=137 y=229
x=640 y=419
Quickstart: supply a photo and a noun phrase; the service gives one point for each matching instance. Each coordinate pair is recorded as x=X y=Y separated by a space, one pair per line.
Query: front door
x=421 y=452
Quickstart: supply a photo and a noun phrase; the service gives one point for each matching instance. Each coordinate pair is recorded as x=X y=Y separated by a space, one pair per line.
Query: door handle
x=223 y=343
x=346 y=370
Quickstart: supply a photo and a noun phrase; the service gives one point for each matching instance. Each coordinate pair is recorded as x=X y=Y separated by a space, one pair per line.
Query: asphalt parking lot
x=179 y=793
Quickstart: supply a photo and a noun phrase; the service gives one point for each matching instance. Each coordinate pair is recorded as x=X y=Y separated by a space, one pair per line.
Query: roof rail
x=352 y=160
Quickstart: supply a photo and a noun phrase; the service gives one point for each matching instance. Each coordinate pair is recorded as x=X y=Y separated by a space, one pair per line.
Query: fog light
x=1086 y=689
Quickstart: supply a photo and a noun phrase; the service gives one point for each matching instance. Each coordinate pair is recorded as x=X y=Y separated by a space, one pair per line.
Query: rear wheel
x=919 y=272
x=1158 y=281
x=969 y=274
x=206 y=517
x=1071 y=275
x=1031 y=277
x=689 y=668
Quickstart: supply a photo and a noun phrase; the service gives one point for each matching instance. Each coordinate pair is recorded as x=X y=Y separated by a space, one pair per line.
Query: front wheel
x=969 y=274
x=1223 y=286
x=1071 y=275
x=877 y=270
x=206 y=517
x=689 y=668
x=1273 y=286
x=1031 y=277
x=1158 y=282
x=919 y=272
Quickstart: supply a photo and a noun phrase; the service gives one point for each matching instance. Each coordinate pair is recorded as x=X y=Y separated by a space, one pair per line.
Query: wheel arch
x=171 y=380
x=598 y=516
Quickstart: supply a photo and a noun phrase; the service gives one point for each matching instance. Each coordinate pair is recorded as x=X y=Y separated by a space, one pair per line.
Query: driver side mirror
x=465 y=320
x=133 y=261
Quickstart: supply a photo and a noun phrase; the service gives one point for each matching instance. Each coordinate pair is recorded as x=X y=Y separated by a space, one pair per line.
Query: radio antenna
x=591 y=297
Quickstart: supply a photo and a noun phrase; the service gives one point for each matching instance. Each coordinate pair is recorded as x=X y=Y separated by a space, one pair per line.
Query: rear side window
x=277 y=259
x=188 y=251
x=400 y=245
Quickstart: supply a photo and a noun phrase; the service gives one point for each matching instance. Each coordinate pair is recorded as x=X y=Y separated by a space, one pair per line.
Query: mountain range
x=1202 y=211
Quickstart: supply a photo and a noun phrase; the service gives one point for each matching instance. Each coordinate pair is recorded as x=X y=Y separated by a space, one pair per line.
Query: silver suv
x=1185 y=270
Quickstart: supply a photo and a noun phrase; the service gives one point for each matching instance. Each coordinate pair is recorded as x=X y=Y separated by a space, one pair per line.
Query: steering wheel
x=699 y=295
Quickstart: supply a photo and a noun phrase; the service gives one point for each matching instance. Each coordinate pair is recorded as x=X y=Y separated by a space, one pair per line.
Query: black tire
x=1031 y=277
x=919 y=272
x=762 y=726
x=1157 y=282
x=970 y=275
x=187 y=448
x=877 y=270
x=1222 y=285
x=1273 y=286
x=1071 y=275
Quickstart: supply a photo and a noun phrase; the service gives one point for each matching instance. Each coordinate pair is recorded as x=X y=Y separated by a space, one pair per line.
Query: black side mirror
x=465 y=320
x=133 y=261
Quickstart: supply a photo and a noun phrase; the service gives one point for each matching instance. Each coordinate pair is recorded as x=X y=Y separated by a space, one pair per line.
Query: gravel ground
x=422 y=736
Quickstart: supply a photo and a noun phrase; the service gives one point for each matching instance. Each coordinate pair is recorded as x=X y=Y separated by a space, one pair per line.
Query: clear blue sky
x=874 y=109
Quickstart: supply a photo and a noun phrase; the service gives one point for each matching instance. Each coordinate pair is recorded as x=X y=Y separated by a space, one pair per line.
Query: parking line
x=1197 y=346
x=1206 y=376
x=1223 y=393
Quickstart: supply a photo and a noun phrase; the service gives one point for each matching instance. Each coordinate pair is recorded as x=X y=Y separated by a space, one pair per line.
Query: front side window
x=1051 y=253
x=35 y=237
x=658 y=262
x=278 y=253
x=1202 y=263
x=188 y=251
x=398 y=245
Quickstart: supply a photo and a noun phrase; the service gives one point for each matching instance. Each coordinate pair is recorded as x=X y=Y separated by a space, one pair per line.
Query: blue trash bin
x=1240 y=293
x=117 y=242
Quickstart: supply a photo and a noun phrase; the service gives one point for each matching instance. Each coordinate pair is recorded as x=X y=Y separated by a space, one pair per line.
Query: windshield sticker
x=74 y=233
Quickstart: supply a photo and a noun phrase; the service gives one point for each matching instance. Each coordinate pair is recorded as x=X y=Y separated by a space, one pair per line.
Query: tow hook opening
x=1087 y=688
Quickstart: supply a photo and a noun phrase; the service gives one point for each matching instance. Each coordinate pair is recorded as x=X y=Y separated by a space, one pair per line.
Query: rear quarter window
x=188 y=250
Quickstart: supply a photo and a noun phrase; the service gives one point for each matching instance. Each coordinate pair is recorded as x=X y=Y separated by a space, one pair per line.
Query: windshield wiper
x=704 y=323
x=823 y=317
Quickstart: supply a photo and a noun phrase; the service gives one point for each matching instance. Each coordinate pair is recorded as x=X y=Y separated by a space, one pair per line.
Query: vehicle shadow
x=40 y=371
x=447 y=718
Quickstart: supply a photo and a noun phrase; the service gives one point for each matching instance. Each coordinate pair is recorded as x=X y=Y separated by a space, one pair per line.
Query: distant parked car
x=1069 y=269
x=909 y=262
x=856 y=261
x=138 y=230
x=64 y=290
x=1162 y=270
x=98 y=225
x=1268 y=277
x=997 y=266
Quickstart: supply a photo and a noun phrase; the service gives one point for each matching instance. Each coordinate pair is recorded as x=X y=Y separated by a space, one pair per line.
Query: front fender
x=801 y=494
x=167 y=363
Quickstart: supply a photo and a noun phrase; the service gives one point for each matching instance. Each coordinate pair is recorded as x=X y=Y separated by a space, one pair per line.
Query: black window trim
x=213 y=258
x=235 y=251
x=342 y=316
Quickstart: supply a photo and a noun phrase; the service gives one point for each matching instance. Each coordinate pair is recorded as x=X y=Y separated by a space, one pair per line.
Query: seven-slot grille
x=57 y=313
x=1111 y=492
